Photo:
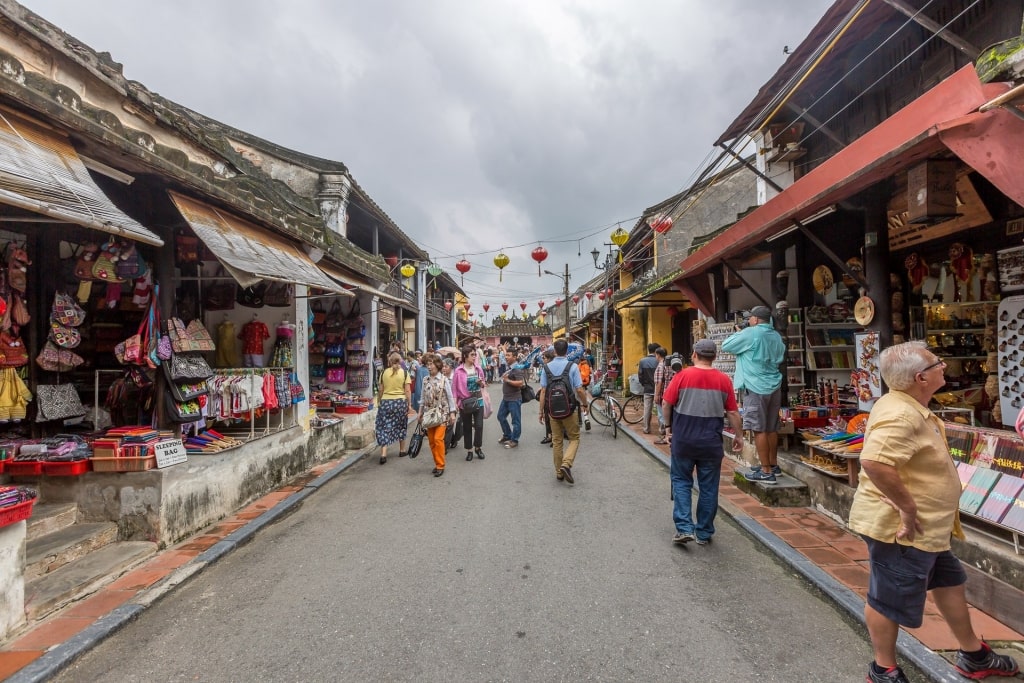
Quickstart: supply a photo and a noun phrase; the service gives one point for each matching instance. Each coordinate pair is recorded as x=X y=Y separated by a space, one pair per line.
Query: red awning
x=906 y=137
x=991 y=144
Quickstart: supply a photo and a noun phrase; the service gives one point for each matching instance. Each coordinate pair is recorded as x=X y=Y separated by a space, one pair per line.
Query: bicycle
x=634 y=407
x=605 y=410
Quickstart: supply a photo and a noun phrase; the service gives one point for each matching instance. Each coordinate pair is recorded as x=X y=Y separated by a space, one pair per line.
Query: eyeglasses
x=933 y=365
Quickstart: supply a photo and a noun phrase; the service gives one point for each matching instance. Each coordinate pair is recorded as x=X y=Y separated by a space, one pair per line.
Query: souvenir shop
x=340 y=368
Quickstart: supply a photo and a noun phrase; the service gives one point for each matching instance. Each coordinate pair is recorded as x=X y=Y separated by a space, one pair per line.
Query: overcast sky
x=477 y=125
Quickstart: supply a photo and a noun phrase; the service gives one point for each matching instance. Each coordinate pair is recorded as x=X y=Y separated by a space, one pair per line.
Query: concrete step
x=785 y=492
x=52 y=551
x=84 y=576
x=50 y=517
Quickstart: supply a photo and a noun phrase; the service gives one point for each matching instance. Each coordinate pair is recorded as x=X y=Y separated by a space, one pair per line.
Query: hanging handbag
x=188 y=390
x=182 y=411
x=186 y=250
x=528 y=393
x=19 y=311
x=415 y=441
x=12 y=351
x=128 y=264
x=335 y=375
x=317 y=370
x=152 y=340
x=103 y=268
x=319 y=314
x=55 y=359
x=251 y=297
x=200 y=337
x=335 y=319
x=66 y=337
x=220 y=296
x=278 y=295
x=66 y=310
x=185 y=366
x=57 y=402
x=163 y=347
x=298 y=394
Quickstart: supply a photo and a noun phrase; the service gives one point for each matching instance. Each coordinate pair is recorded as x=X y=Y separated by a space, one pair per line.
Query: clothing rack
x=267 y=427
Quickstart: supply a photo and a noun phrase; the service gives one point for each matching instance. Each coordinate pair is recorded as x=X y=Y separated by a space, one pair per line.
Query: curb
x=926 y=660
x=60 y=656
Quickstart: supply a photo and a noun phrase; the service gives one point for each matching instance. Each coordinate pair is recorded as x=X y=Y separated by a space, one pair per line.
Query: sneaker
x=504 y=439
x=546 y=439
x=763 y=477
x=567 y=474
x=586 y=423
x=511 y=444
x=776 y=470
x=683 y=539
x=893 y=675
x=992 y=664
x=703 y=541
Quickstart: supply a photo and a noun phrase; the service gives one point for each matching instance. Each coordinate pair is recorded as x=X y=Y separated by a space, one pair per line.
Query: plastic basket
x=634 y=385
x=16 y=513
x=123 y=464
x=65 y=469
x=350 y=410
x=23 y=468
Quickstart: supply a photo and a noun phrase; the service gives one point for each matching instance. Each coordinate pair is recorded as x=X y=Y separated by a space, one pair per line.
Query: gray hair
x=899 y=364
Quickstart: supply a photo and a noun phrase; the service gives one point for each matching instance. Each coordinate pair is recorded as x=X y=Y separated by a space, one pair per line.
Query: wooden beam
x=956 y=41
x=818 y=125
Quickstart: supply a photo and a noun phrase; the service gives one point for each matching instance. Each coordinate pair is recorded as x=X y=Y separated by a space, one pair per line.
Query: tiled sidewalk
x=835 y=550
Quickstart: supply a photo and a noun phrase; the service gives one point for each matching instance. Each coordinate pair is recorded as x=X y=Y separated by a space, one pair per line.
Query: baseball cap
x=705 y=348
x=761 y=313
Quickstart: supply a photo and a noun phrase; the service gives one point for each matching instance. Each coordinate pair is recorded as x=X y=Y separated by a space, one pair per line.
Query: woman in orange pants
x=437 y=409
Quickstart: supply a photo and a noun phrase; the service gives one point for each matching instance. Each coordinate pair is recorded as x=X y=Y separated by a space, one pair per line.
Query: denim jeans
x=708 y=472
x=513 y=409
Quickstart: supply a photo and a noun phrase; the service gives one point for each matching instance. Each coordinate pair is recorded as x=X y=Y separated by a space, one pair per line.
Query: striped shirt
x=700 y=398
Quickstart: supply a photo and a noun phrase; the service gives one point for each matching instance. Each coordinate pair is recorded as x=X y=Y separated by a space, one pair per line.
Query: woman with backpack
x=393 y=402
x=468 y=387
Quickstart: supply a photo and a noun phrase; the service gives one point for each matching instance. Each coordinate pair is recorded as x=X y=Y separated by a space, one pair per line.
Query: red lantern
x=538 y=255
x=608 y=292
x=600 y=296
x=540 y=304
x=558 y=302
x=588 y=295
x=575 y=298
x=660 y=223
x=392 y=261
x=463 y=267
x=504 y=306
x=448 y=306
x=672 y=311
x=486 y=307
x=522 y=306
x=466 y=306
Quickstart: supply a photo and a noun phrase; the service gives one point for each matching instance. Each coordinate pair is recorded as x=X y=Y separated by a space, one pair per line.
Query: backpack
x=584 y=371
x=559 y=401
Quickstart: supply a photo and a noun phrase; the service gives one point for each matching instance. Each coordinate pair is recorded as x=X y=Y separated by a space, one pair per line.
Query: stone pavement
x=811 y=543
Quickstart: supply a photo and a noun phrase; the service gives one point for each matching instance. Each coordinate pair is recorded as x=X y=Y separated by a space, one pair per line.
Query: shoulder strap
x=566 y=369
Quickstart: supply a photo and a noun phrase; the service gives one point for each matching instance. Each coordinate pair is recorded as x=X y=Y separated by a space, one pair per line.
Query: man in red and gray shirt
x=697 y=398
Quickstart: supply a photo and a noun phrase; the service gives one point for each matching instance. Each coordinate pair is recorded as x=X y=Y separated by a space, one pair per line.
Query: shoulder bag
x=57 y=402
x=415 y=441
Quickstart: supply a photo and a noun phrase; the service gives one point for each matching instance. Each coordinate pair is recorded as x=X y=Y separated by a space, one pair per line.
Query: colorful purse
x=67 y=311
x=66 y=337
x=201 y=339
x=12 y=351
x=57 y=402
x=336 y=376
x=55 y=359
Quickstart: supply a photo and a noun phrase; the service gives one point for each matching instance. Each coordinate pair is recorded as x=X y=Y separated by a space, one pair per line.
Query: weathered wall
x=12 y=581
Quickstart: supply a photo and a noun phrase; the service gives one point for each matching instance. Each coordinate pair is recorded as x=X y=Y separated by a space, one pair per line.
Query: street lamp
x=609 y=262
x=565 y=293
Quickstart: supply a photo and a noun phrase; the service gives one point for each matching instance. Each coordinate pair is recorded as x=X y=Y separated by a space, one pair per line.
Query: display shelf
x=725 y=362
x=795 y=363
x=960 y=333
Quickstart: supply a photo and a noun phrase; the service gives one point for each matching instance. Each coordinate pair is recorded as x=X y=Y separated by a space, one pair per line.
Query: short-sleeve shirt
x=393 y=382
x=509 y=392
x=556 y=366
x=700 y=398
x=903 y=433
x=759 y=350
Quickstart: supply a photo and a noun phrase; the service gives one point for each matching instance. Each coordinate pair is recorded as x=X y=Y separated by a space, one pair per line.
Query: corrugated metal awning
x=357 y=283
x=248 y=252
x=40 y=171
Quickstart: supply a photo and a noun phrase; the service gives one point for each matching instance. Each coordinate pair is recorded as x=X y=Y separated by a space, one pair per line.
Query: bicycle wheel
x=633 y=409
x=599 y=410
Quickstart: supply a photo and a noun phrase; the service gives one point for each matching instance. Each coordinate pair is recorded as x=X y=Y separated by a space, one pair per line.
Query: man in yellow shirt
x=906 y=508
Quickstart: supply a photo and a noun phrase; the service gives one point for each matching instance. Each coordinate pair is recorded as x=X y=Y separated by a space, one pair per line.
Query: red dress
x=253 y=335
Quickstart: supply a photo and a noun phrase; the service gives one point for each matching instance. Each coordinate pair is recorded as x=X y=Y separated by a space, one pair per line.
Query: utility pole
x=565 y=293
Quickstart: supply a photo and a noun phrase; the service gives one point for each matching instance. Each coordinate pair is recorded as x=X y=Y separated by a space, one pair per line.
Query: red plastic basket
x=350 y=410
x=16 y=513
x=66 y=469
x=23 y=467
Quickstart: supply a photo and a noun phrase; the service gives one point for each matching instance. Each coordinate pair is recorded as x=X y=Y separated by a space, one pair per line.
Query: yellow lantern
x=501 y=260
x=408 y=270
x=619 y=238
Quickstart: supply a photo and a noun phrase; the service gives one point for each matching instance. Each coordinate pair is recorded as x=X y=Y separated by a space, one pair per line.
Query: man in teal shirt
x=759 y=352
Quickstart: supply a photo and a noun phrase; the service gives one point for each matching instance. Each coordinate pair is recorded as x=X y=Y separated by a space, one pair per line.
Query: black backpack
x=559 y=398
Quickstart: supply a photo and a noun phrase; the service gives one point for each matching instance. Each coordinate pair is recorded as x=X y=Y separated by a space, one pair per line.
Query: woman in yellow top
x=393 y=401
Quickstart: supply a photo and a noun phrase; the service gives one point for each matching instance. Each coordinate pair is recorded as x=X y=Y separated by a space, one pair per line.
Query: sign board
x=169 y=453
x=386 y=314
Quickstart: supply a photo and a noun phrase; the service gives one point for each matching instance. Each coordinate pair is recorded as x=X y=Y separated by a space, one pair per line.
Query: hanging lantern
x=558 y=302
x=392 y=261
x=538 y=255
x=525 y=315
x=600 y=296
x=486 y=307
x=501 y=260
x=540 y=304
x=504 y=306
x=466 y=306
x=589 y=295
x=672 y=311
x=608 y=292
x=619 y=238
x=660 y=223
x=522 y=306
x=463 y=267
x=408 y=270
x=433 y=270
x=448 y=306
x=575 y=298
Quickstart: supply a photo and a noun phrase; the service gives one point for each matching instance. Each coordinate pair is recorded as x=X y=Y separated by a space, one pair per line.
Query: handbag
x=334 y=375
x=528 y=393
x=129 y=264
x=415 y=441
x=186 y=250
x=468 y=406
x=317 y=370
x=319 y=314
x=55 y=359
x=12 y=351
x=66 y=310
x=19 y=311
x=251 y=297
x=185 y=366
x=186 y=339
x=188 y=390
x=487 y=405
x=182 y=411
x=66 y=337
x=335 y=319
x=437 y=413
x=220 y=296
x=57 y=402
x=201 y=339
x=278 y=294
x=298 y=394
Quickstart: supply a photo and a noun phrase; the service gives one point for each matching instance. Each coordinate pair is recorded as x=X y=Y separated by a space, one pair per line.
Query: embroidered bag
x=67 y=311
x=55 y=359
x=182 y=411
x=298 y=394
x=200 y=337
x=104 y=268
x=186 y=366
x=335 y=375
x=12 y=351
x=57 y=402
x=335 y=318
x=188 y=390
x=67 y=337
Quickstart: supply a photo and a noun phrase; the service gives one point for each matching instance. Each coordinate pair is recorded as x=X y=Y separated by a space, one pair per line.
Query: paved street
x=494 y=572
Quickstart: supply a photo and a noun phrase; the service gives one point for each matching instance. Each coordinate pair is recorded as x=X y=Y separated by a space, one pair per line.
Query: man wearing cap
x=759 y=352
x=696 y=399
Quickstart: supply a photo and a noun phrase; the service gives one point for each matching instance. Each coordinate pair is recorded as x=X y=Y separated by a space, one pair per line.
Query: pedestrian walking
x=454 y=434
x=545 y=357
x=437 y=409
x=659 y=389
x=561 y=391
x=468 y=386
x=906 y=508
x=645 y=373
x=393 y=400
x=696 y=400
x=511 y=403
x=759 y=351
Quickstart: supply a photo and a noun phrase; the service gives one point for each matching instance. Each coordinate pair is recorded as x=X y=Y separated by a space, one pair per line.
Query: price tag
x=170 y=453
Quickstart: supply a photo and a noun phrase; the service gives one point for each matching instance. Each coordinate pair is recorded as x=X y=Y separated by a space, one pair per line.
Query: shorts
x=761 y=411
x=902 y=575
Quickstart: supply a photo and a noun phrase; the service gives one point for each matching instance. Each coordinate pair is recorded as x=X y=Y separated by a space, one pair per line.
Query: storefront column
x=718 y=295
x=421 y=305
x=373 y=332
x=876 y=260
x=300 y=350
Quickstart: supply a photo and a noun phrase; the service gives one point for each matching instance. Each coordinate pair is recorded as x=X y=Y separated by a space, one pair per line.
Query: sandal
x=383 y=459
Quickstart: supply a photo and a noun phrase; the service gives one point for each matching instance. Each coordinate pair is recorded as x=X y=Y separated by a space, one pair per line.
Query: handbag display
x=65 y=337
x=190 y=338
x=251 y=297
x=12 y=351
x=220 y=296
x=358 y=378
x=278 y=295
x=55 y=359
x=57 y=402
x=186 y=250
x=66 y=310
x=182 y=411
x=415 y=441
x=335 y=319
x=188 y=390
x=335 y=375
x=183 y=367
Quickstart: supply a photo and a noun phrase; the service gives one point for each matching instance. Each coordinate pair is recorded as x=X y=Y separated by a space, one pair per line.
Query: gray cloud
x=476 y=125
